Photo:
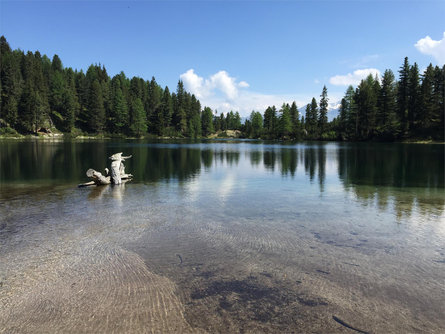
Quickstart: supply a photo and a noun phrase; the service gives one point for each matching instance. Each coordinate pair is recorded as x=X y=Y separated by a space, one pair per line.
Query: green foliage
x=256 y=120
x=118 y=116
x=323 y=116
x=36 y=92
x=96 y=110
x=207 y=121
x=312 y=120
x=138 y=125
x=270 y=122
x=284 y=122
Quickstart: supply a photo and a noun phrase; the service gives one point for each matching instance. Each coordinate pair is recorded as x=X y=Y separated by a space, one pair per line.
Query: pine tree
x=155 y=112
x=352 y=113
x=179 y=112
x=11 y=79
x=387 y=125
x=323 y=116
x=270 y=121
x=439 y=102
x=367 y=107
x=284 y=123
x=312 y=119
x=426 y=117
x=56 y=65
x=138 y=124
x=27 y=111
x=167 y=109
x=342 y=119
x=207 y=121
x=295 y=120
x=118 y=117
x=96 y=111
x=403 y=96
x=414 y=99
x=237 y=121
x=256 y=120
x=194 y=117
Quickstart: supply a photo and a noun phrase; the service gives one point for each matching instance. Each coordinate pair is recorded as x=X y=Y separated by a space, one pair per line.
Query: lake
x=223 y=236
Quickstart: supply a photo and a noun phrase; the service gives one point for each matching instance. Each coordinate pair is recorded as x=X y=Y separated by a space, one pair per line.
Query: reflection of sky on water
x=401 y=178
x=369 y=218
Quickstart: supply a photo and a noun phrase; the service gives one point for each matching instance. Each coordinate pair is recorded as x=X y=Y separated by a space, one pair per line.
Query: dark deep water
x=223 y=236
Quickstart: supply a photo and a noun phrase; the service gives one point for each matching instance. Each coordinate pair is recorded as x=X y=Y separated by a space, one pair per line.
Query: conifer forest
x=38 y=93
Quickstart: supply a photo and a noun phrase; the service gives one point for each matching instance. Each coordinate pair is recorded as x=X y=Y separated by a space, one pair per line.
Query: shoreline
x=62 y=137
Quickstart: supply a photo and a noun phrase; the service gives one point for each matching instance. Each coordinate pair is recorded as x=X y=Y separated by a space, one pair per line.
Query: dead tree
x=117 y=173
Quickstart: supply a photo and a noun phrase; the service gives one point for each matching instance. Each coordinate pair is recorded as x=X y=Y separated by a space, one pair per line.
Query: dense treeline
x=37 y=94
x=378 y=109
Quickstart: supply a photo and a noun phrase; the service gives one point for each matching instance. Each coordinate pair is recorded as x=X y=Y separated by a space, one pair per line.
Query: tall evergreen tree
x=207 y=121
x=295 y=120
x=167 y=109
x=367 y=107
x=11 y=80
x=439 y=102
x=387 y=125
x=179 y=112
x=403 y=96
x=96 y=110
x=270 y=121
x=118 y=119
x=312 y=119
x=323 y=116
x=256 y=120
x=138 y=125
x=284 y=122
x=413 y=99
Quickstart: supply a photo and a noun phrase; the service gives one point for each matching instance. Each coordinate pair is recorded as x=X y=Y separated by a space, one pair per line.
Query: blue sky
x=239 y=55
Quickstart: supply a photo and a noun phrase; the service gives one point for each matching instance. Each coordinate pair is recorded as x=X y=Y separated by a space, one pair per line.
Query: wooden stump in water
x=118 y=168
x=117 y=173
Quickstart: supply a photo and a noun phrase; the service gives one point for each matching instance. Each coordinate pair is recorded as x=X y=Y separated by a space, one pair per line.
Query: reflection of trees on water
x=385 y=175
x=400 y=175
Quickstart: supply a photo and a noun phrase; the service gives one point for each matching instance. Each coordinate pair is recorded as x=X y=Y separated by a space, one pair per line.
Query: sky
x=235 y=55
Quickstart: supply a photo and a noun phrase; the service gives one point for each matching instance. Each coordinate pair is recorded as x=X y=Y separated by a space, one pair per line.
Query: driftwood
x=118 y=168
x=117 y=173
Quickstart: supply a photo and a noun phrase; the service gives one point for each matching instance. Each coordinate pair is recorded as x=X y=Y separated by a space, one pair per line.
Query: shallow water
x=223 y=236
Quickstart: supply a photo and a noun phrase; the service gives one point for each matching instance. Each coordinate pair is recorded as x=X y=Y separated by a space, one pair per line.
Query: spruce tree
x=367 y=107
x=270 y=121
x=118 y=119
x=312 y=119
x=323 y=116
x=96 y=111
x=403 y=96
x=414 y=99
x=285 y=123
x=387 y=125
x=295 y=120
x=138 y=125
x=439 y=102
x=167 y=109
x=207 y=121
x=426 y=117
x=256 y=120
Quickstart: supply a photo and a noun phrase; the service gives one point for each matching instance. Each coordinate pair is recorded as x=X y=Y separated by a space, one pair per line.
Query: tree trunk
x=118 y=168
x=117 y=173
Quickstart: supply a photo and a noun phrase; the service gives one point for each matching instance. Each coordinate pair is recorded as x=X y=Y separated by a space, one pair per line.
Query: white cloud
x=433 y=48
x=220 y=82
x=225 y=93
x=225 y=83
x=353 y=78
x=243 y=84
x=193 y=83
